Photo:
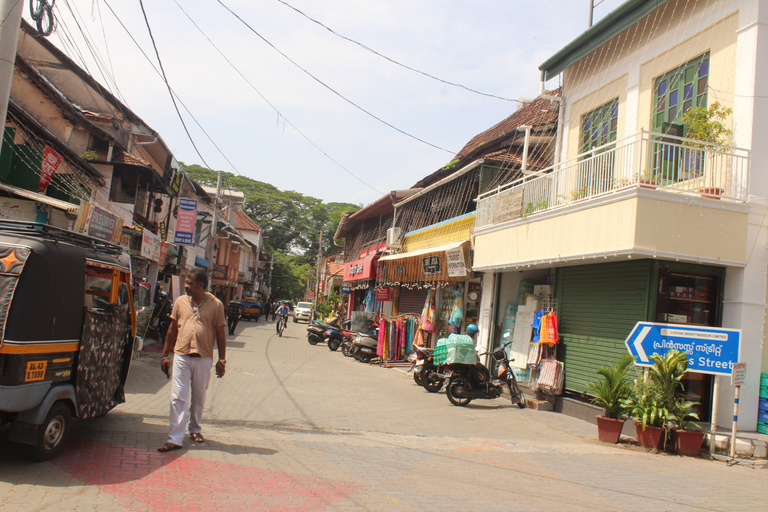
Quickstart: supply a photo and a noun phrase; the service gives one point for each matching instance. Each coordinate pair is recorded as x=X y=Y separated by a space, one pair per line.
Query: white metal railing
x=646 y=159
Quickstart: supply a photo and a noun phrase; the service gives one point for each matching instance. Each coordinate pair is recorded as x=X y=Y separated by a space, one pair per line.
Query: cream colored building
x=635 y=221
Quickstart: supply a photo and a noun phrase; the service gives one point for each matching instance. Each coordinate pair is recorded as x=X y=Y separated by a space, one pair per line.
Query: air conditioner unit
x=393 y=238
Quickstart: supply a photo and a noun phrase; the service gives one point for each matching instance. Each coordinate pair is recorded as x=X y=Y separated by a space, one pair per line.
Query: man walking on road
x=197 y=319
x=234 y=312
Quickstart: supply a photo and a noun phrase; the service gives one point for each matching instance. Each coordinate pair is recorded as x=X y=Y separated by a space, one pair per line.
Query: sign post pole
x=732 y=454
x=715 y=405
x=738 y=377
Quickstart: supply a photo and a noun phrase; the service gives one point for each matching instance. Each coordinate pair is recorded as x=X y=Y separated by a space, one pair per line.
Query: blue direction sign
x=711 y=350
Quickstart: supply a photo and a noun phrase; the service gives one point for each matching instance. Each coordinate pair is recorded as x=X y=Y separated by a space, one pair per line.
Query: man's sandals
x=169 y=447
x=197 y=437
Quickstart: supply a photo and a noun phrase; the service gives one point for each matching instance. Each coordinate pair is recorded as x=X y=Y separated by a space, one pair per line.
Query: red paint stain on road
x=146 y=480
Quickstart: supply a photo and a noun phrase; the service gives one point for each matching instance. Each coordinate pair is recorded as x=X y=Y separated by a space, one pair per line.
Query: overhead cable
x=393 y=61
x=330 y=88
x=237 y=70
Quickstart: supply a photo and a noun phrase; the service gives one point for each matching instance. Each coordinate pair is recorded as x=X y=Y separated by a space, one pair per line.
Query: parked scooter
x=364 y=347
x=335 y=337
x=425 y=372
x=467 y=382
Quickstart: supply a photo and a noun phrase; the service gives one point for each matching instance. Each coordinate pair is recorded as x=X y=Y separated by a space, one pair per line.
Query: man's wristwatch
x=222 y=361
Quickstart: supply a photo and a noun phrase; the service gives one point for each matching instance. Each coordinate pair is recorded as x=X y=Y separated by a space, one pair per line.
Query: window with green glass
x=600 y=126
x=678 y=91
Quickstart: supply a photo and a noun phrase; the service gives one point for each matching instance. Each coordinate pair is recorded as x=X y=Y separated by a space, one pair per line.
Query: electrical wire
x=334 y=91
x=280 y=114
x=393 y=61
x=168 y=86
x=170 y=89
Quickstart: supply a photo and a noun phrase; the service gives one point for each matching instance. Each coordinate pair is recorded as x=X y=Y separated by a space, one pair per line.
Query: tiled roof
x=244 y=222
x=506 y=157
x=335 y=269
x=536 y=113
x=123 y=157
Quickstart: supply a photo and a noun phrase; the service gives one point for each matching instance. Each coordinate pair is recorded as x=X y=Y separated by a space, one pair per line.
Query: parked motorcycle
x=467 y=382
x=335 y=337
x=316 y=330
x=364 y=347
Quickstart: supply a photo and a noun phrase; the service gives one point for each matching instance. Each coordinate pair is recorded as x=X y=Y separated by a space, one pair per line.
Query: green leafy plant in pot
x=610 y=393
x=652 y=401
x=686 y=436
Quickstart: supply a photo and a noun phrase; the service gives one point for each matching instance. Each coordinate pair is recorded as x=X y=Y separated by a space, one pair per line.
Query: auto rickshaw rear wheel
x=53 y=434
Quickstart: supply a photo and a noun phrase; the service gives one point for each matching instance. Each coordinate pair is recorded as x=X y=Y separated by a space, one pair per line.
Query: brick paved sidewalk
x=296 y=427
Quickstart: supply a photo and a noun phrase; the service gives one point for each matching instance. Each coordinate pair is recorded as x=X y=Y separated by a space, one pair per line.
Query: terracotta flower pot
x=647 y=184
x=688 y=442
x=711 y=192
x=651 y=437
x=609 y=429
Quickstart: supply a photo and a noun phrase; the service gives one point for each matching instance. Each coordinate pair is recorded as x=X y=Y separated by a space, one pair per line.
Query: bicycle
x=281 y=323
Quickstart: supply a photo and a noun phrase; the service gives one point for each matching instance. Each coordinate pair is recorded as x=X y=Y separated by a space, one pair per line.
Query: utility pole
x=212 y=236
x=318 y=266
x=10 y=16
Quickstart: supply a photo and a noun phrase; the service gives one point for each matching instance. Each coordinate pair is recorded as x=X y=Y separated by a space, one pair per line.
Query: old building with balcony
x=641 y=218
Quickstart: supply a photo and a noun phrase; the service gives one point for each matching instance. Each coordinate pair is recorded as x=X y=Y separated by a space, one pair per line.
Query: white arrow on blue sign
x=711 y=350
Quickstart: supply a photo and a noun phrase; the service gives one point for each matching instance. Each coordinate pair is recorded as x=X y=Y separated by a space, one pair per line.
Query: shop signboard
x=48 y=167
x=456 y=265
x=104 y=225
x=431 y=264
x=185 y=222
x=346 y=290
x=150 y=246
x=383 y=294
x=18 y=209
x=711 y=350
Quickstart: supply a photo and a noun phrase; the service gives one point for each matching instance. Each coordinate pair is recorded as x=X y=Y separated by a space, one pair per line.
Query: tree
x=292 y=223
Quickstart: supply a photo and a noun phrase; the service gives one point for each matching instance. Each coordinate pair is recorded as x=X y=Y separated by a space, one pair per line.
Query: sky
x=255 y=113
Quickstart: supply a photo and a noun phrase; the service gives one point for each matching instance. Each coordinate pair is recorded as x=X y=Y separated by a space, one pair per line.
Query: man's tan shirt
x=197 y=332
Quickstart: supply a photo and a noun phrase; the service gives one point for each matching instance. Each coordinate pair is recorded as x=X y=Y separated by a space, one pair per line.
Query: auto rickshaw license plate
x=35 y=370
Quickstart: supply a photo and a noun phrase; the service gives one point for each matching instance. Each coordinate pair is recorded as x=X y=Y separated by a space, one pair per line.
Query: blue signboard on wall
x=711 y=350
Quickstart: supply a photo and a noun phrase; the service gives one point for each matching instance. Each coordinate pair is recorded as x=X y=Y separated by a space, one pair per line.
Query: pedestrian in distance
x=275 y=307
x=235 y=310
x=259 y=307
x=197 y=322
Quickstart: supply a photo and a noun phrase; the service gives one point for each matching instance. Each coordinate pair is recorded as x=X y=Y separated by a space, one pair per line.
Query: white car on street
x=302 y=311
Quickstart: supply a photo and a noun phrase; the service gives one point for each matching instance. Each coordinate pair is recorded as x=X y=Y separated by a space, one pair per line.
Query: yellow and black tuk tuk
x=67 y=328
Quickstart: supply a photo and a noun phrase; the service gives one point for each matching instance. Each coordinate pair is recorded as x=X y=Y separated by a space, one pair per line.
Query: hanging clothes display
x=396 y=336
x=457 y=311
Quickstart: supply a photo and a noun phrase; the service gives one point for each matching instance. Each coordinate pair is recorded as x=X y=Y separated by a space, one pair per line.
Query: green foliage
x=91 y=156
x=289 y=276
x=648 y=404
x=533 y=207
x=614 y=388
x=653 y=401
x=707 y=124
x=327 y=305
x=680 y=416
x=291 y=221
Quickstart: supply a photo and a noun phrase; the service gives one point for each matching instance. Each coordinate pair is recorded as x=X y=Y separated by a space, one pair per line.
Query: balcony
x=647 y=195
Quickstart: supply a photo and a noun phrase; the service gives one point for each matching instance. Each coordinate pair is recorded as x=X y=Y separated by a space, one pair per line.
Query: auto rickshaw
x=67 y=331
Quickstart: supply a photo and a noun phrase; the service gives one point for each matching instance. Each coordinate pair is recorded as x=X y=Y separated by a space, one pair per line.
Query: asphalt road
x=298 y=427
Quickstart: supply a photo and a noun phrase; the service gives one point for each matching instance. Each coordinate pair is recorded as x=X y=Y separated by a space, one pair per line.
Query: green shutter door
x=598 y=307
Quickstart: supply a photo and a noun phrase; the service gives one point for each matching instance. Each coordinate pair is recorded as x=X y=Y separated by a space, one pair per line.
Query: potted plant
x=647 y=405
x=610 y=393
x=708 y=126
x=652 y=402
x=686 y=436
x=646 y=180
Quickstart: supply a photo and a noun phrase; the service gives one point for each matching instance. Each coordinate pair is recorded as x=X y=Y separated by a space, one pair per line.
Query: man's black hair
x=200 y=275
